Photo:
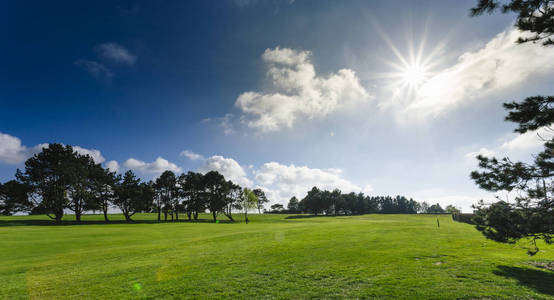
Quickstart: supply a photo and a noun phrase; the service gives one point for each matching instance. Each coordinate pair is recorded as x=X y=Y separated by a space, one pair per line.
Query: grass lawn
x=370 y=256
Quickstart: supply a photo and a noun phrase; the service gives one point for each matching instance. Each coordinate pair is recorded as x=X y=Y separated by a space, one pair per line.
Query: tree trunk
x=195 y=215
x=189 y=213
x=159 y=219
x=106 y=214
x=246 y=217
x=214 y=213
x=127 y=217
x=176 y=215
x=165 y=216
x=78 y=216
x=230 y=216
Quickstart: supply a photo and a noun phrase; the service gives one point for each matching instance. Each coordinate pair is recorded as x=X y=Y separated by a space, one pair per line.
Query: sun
x=414 y=75
x=412 y=68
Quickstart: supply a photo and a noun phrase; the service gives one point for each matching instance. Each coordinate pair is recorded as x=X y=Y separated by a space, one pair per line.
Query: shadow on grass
x=540 y=281
x=99 y=222
x=311 y=216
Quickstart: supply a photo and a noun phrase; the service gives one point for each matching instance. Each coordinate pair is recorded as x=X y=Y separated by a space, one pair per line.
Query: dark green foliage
x=192 y=190
x=337 y=203
x=535 y=16
x=167 y=195
x=103 y=186
x=215 y=188
x=132 y=196
x=451 y=209
x=294 y=205
x=49 y=175
x=262 y=199
x=277 y=207
x=532 y=113
x=531 y=215
x=435 y=209
x=14 y=198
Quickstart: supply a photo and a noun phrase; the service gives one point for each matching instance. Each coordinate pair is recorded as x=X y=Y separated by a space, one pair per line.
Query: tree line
x=337 y=203
x=59 y=179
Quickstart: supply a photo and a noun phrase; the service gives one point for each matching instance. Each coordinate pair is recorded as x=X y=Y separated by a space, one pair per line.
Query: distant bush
x=464 y=218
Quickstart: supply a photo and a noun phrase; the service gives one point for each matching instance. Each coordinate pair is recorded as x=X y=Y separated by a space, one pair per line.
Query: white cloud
x=226 y=124
x=11 y=149
x=500 y=64
x=191 y=155
x=95 y=68
x=516 y=143
x=95 y=154
x=157 y=166
x=483 y=151
x=527 y=141
x=299 y=92
x=13 y=152
x=116 y=53
x=228 y=167
x=113 y=166
x=281 y=182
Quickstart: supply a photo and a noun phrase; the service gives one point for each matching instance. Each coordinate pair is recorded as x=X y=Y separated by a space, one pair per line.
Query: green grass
x=370 y=256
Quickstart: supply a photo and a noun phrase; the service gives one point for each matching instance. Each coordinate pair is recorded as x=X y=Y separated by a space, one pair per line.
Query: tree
x=103 y=188
x=435 y=209
x=249 y=200
x=81 y=191
x=14 y=198
x=215 y=188
x=131 y=196
x=49 y=176
x=424 y=208
x=531 y=215
x=451 y=209
x=192 y=189
x=167 y=194
x=313 y=202
x=262 y=199
x=233 y=196
x=294 y=205
x=277 y=207
x=534 y=16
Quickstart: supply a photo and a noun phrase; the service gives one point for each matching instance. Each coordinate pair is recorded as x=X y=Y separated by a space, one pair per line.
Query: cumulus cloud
x=116 y=53
x=516 y=143
x=281 y=182
x=157 y=166
x=191 y=155
x=298 y=91
x=113 y=166
x=12 y=151
x=95 y=68
x=500 y=64
x=527 y=141
x=228 y=167
x=93 y=153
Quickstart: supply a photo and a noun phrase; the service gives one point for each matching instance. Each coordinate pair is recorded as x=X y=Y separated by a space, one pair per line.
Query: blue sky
x=384 y=97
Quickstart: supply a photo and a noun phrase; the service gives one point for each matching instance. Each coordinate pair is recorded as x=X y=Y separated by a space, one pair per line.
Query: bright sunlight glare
x=414 y=75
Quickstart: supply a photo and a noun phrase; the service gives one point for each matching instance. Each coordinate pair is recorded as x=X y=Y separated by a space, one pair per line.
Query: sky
x=379 y=97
